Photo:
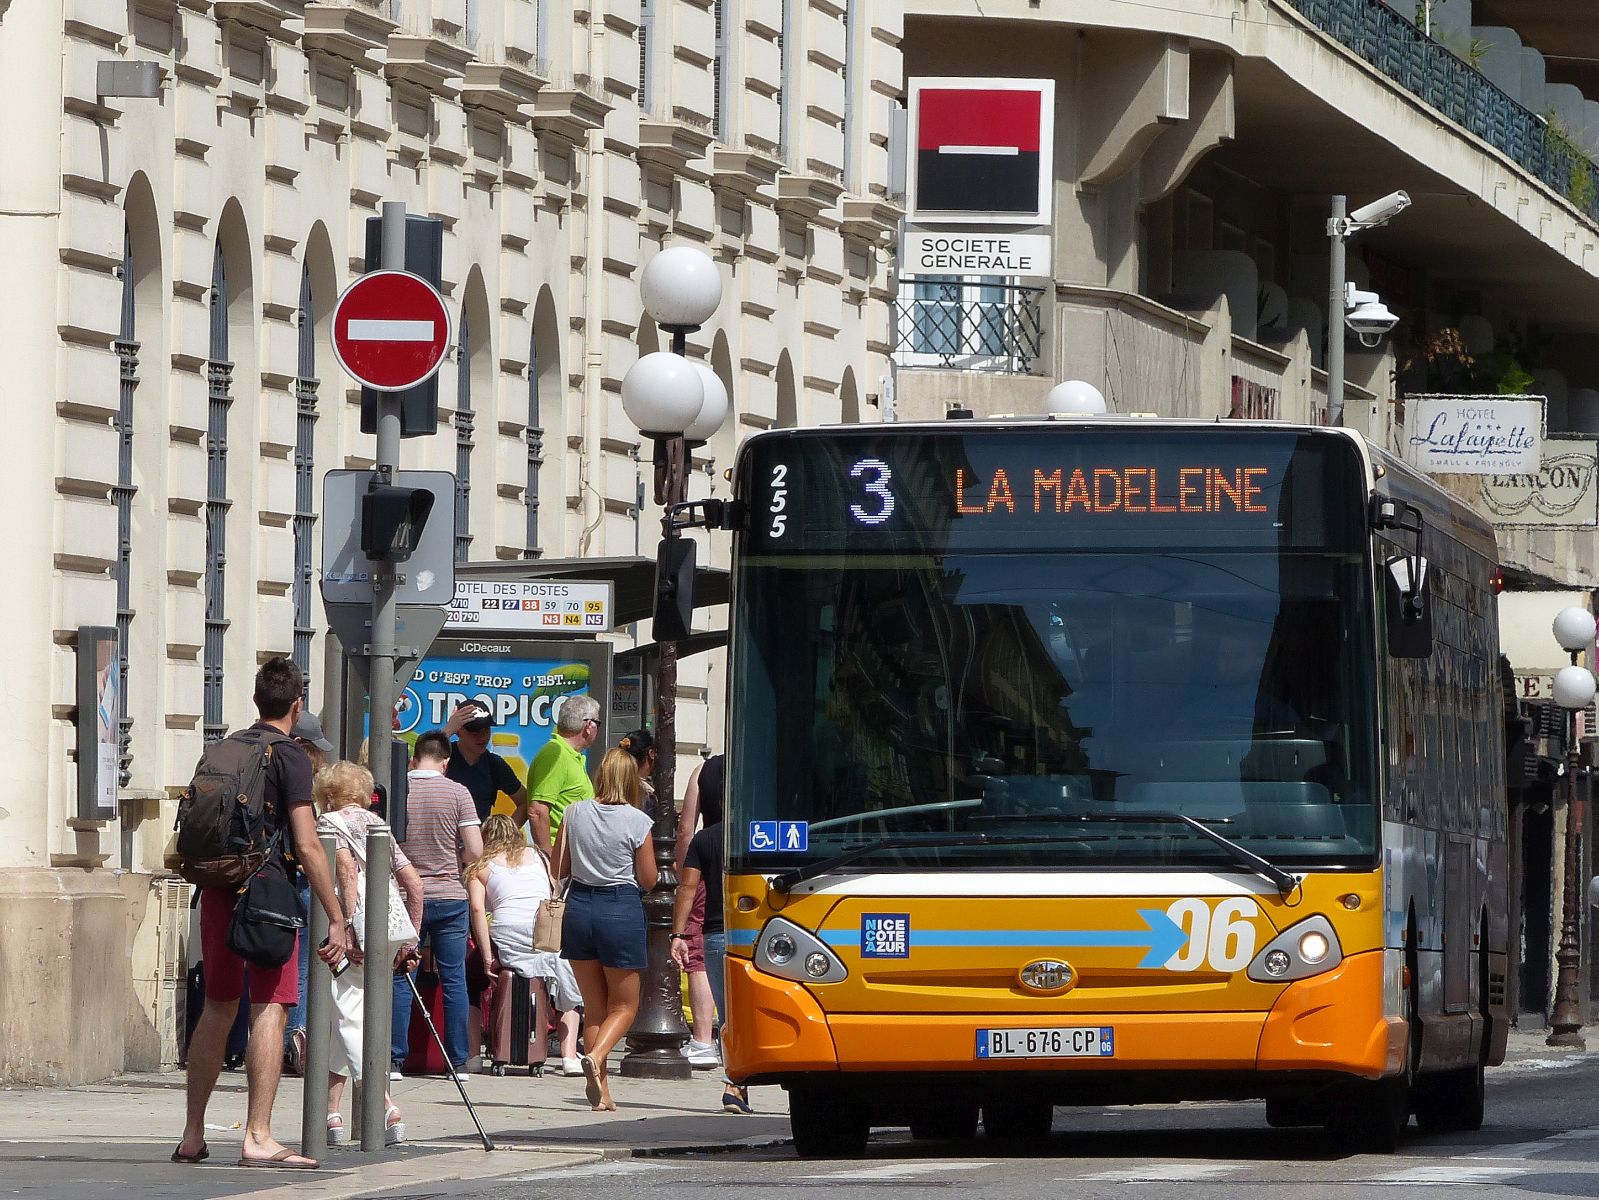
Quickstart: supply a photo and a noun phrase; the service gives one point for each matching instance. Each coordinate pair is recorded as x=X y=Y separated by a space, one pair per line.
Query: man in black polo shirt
x=477 y=768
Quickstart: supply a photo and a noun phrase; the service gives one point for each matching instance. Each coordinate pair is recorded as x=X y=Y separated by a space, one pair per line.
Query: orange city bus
x=1110 y=761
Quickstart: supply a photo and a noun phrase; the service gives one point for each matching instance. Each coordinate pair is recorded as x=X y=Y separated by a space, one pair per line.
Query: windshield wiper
x=1279 y=878
x=784 y=881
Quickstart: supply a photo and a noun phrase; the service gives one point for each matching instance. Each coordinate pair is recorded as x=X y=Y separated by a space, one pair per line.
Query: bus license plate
x=1086 y=1041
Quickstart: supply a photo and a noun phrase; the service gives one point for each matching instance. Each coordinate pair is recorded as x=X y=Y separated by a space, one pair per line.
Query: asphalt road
x=1541 y=1138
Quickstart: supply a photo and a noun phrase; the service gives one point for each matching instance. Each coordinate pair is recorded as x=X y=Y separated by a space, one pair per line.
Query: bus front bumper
x=1332 y=1023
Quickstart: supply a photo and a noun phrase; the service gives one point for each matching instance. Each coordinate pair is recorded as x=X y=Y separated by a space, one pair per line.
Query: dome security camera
x=1371 y=318
x=1380 y=212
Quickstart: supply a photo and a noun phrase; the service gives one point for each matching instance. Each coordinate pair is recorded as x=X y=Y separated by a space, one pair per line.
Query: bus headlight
x=1308 y=948
x=791 y=951
x=1313 y=946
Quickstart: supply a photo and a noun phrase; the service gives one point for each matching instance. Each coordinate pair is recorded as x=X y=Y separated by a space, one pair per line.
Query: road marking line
x=391 y=331
x=590 y=1170
x=1162 y=1173
x=902 y=1170
x=1520 y=1150
x=1448 y=1174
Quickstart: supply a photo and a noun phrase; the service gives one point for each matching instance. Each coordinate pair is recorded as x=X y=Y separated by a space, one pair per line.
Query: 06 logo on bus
x=1224 y=938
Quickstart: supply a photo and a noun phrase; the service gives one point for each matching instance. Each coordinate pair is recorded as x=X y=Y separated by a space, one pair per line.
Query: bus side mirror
x=1593 y=892
x=1408 y=603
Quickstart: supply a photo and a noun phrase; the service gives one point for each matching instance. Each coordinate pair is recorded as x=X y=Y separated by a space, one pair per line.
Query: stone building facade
x=174 y=400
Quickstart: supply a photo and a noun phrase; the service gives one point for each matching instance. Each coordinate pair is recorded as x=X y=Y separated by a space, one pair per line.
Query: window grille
x=535 y=452
x=463 y=444
x=305 y=415
x=219 y=388
x=122 y=494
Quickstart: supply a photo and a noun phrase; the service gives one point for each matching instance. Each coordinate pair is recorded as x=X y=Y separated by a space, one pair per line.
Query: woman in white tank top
x=509 y=882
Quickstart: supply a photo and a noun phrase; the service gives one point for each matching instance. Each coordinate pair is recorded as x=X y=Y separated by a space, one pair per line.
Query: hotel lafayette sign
x=1474 y=435
x=1561 y=493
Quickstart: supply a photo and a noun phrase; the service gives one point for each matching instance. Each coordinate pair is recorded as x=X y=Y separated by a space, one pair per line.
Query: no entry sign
x=390 y=330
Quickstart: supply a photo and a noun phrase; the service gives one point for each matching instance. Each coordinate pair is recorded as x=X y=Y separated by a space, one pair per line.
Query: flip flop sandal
x=199 y=1156
x=591 y=1080
x=281 y=1162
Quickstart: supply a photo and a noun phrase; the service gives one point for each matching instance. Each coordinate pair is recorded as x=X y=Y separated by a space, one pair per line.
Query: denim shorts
x=606 y=924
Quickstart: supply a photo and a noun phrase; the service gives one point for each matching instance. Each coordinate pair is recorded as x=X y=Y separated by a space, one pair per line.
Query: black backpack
x=221 y=824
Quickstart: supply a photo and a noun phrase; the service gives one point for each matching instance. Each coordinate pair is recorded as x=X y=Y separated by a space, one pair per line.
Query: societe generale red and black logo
x=982 y=147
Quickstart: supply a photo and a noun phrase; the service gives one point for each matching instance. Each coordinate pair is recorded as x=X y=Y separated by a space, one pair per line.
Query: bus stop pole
x=318 y=1001
x=377 y=1000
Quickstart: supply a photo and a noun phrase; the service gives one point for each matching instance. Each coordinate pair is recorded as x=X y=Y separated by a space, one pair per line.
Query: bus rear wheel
x=827 y=1123
x=1451 y=1101
x=1018 y=1120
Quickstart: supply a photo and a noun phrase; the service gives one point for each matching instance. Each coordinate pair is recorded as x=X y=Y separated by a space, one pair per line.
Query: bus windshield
x=1057 y=675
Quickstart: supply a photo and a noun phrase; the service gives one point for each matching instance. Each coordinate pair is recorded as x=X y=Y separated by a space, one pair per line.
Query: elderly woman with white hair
x=344 y=792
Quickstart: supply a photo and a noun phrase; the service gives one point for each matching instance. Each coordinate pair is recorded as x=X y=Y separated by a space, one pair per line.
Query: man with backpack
x=244 y=824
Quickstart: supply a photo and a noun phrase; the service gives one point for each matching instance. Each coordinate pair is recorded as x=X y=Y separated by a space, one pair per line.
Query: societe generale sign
x=975 y=252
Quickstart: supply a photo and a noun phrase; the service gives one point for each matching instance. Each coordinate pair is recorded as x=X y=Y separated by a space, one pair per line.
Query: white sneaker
x=701 y=1055
x=571 y=1066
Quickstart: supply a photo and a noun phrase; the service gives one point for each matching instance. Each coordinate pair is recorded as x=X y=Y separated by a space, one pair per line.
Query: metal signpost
x=391 y=331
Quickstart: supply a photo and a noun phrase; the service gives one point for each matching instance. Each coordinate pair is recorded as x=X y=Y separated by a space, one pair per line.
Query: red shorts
x=224 y=970
x=696 y=931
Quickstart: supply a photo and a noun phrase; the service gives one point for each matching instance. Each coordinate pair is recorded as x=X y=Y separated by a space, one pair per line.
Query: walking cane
x=433 y=1029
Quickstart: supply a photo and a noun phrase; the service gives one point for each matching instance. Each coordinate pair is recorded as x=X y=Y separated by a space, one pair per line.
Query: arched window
x=219 y=387
x=463 y=443
x=122 y=495
x=305 y=388
x=535 y=449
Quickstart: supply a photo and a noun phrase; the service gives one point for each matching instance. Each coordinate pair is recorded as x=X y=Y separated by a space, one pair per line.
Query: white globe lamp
x=680 y=288
x=1075 y=398
x=1574 y=629
x=713 y=411
x=1574 y=687
x=662 y=394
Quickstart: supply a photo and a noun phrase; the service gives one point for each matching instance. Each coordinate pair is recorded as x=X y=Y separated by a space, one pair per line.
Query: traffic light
x=674 y=589
x=392 y=519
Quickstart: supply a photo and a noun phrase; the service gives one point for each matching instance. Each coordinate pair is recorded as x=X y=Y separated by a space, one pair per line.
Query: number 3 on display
x=876 y=488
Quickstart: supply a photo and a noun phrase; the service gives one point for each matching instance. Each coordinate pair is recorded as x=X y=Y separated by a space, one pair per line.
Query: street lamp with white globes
x=1574 y=690
x=678 y=404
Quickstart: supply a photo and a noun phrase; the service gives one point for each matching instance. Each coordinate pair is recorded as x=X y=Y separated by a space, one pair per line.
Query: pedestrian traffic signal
x=392 y=519
x=674 y=589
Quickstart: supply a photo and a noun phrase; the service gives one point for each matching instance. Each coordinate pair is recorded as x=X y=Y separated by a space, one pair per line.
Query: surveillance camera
x=1372 y=318
x=1379 y=212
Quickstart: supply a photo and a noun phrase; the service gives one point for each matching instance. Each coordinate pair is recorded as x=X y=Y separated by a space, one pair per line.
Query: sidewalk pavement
x=101 y=1141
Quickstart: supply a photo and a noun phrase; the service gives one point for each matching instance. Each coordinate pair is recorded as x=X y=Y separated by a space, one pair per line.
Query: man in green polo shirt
x=559 y=775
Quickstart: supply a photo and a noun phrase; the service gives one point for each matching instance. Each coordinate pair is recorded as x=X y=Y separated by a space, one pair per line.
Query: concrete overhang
x=1293 y=139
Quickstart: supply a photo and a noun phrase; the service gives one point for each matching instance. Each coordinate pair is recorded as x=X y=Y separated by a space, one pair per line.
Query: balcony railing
x=968 y=324
x=1401 y=51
